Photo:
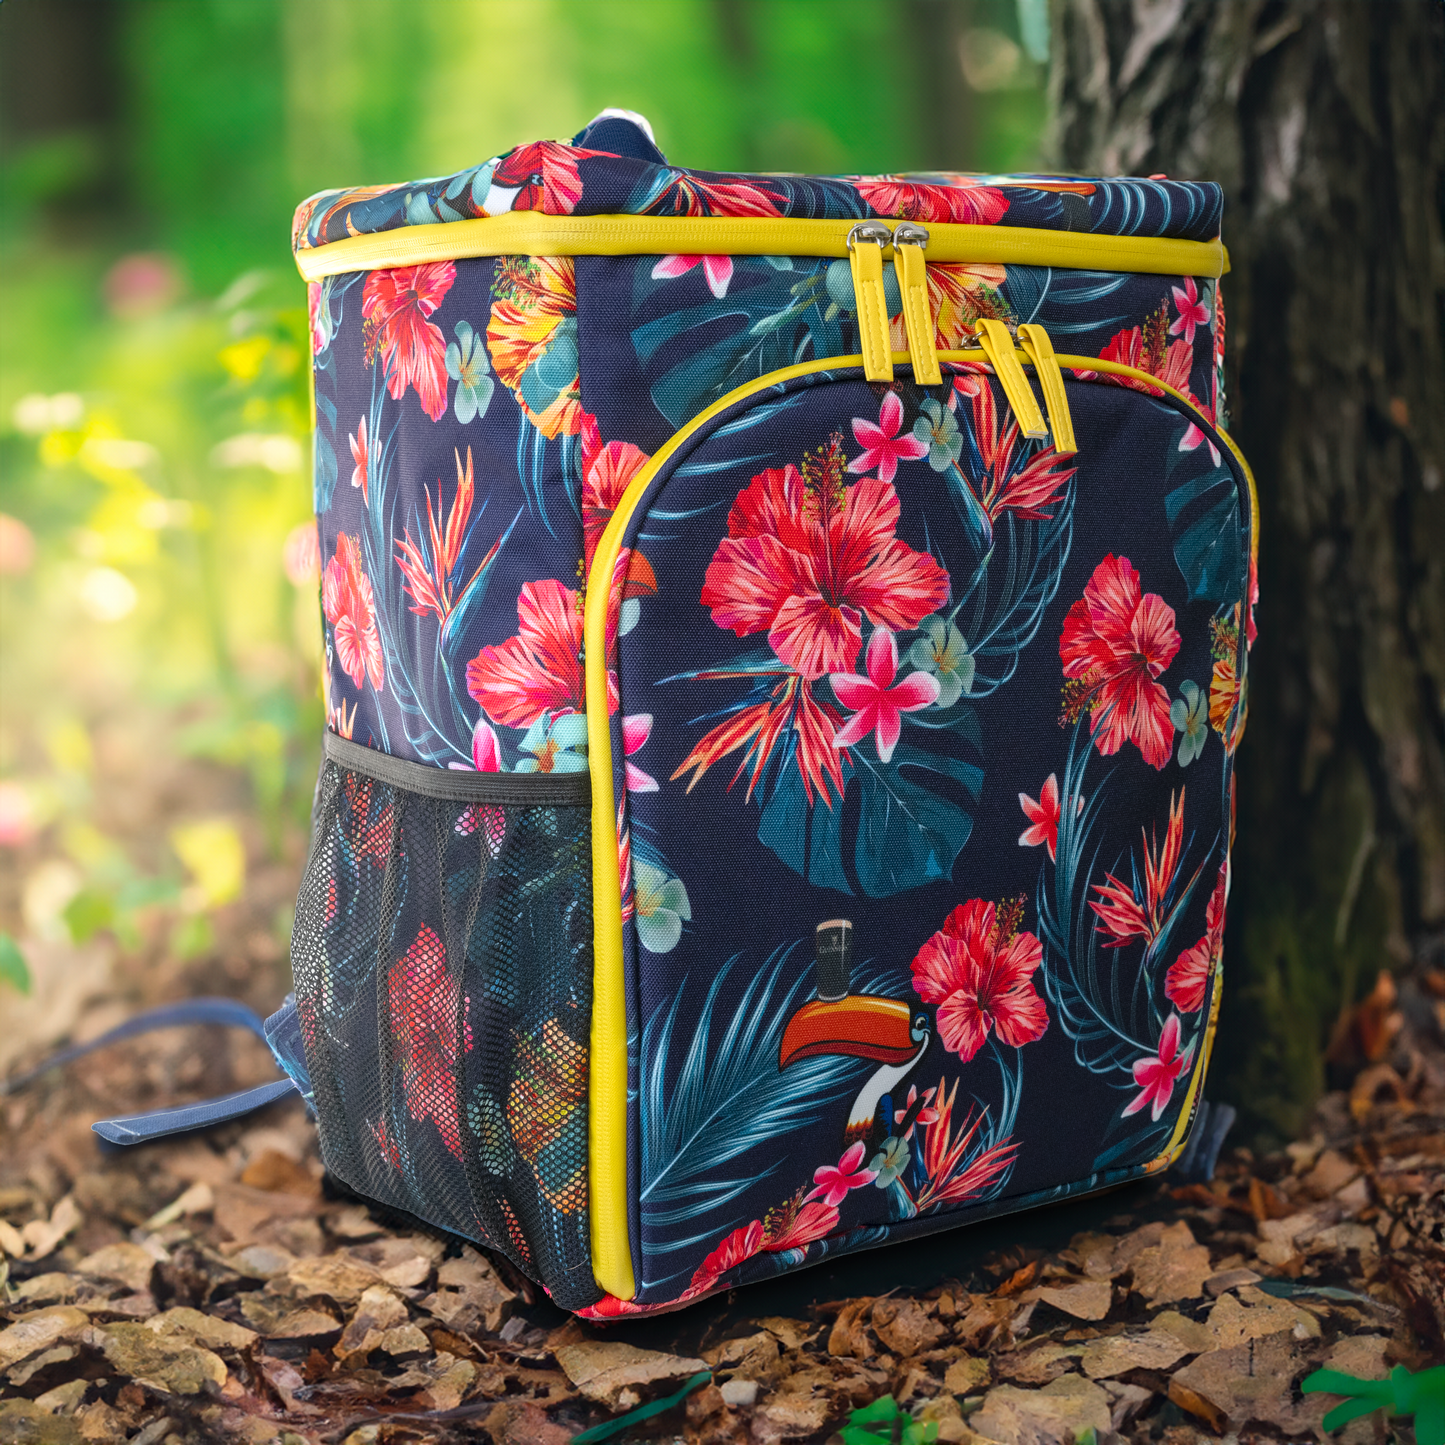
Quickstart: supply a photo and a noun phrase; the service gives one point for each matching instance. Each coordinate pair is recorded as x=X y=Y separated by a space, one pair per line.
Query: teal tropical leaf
x=1208 y=538
x=710 y=1099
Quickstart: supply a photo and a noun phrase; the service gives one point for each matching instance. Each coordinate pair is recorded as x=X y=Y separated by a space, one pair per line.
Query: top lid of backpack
x=613 y=168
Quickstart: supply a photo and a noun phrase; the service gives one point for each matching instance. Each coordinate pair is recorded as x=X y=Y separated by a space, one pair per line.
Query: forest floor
x=217 y=1287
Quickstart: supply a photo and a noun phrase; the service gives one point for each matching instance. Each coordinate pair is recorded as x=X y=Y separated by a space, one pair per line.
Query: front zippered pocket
x=774 y=658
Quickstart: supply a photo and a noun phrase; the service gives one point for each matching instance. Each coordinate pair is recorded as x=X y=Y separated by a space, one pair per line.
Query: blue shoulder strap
x=281 y=1032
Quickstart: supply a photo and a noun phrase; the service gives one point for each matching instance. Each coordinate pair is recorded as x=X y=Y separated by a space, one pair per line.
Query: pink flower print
x=832 y=1184
x=1043 y=816
x=636 y=729
x=877 y=704
x=1192 y=311
x=359 y=457
x=486 y=750
x=926 y=1115
x=717 y=269
x=1156 y=1076
x=884 y=448
x=1190 y=442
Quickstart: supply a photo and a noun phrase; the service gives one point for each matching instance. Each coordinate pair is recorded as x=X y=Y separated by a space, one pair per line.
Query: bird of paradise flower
x=428 y=571
x=1109 y=1005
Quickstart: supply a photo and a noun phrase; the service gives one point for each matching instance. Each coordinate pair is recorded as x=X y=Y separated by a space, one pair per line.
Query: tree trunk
x=1325 y=122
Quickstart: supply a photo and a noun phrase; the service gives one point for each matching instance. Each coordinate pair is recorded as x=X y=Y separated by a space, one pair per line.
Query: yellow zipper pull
x=998 y=346
x=908 y=246
x=865 y=256
x=1040 y=350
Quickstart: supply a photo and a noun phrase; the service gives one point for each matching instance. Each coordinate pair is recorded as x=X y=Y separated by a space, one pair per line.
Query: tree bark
x=1325 y=122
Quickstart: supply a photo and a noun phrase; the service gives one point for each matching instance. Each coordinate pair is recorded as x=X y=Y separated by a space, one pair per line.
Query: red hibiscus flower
x=545 y=176
x=394 y=308
x=742 y=1244
x=1187 y=981
x=1043 y=816
x=540 y=670
x=796 y=1226
x=884 y=448
x=606 y=472
x=1157 y=1076
x=876 y=701
x=346 y=599
x=961 y=199
x=976 y=969
x=425 y=1003
x=806 y=558
x=1114 y=644
x=1123 y=914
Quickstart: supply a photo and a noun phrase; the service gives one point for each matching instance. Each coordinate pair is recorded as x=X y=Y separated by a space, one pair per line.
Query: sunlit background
x=160 y=712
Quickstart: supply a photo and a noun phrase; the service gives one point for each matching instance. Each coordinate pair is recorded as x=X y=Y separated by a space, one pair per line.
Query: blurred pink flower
x=17 y=545
x=302 y=555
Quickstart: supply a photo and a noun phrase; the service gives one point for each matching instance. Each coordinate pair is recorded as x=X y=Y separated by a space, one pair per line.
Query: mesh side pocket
x=443 y=965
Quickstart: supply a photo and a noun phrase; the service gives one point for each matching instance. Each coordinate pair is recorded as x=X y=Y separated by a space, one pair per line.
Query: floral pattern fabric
x=877 y=663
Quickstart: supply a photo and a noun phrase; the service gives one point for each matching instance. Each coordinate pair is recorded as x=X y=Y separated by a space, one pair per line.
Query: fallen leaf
x=52 y=1288
x=966 y=1374
x=337 y=1276
x=792 y=1334
x=1061 y=1411
x=195 y=1328
x=1039 y=1365
x=1173 y=1269
x=1088 y=1300
x=38 y=1331
x=159 y=1362
x=752 y=1357
x=469 y=1292
x=405 y=1339
x=43 y=1236
x=849 y=1335
x=523 y=1423
x=1118 y=1354
x=30 y=1422
x=197 y=1199
x=276 y=1172
x=905 y=1327
x=1253 y=1381
x=1254 y=1315
x=601 y=1370
x=1228 y=1279
x=128 y=1263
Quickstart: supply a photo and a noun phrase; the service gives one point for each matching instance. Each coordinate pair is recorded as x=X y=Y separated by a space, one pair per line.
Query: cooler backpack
x=785 y=652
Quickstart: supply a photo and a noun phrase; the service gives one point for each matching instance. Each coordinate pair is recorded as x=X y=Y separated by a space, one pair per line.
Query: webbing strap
x=226 y=1011
x=138 y=1128
x=280 y=1032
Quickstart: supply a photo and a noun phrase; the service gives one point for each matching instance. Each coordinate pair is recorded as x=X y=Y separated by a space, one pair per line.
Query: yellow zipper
x=607 y=1181
x=1040 y=350
x=908 y=244
x=865 y=259
x=531 y=233
x=998 y=346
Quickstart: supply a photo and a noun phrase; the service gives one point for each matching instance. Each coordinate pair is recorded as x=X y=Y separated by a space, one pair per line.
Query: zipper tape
x=531 y=233
x=607 y=1175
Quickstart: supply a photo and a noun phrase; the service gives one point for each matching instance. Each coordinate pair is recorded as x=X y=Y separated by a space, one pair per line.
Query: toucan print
x=892 y=1032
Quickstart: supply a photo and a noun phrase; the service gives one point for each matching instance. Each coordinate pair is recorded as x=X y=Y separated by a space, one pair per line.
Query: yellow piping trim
x=866 y=261
x=998 y=346
x=1040 y=351
x=530 y=233
x=607 y=1191
x=917 y=314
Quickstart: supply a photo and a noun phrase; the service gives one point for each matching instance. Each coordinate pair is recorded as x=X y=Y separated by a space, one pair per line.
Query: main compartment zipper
x=608 y=1195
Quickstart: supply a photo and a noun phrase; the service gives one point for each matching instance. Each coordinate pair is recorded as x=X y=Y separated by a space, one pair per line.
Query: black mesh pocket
x=443 y=963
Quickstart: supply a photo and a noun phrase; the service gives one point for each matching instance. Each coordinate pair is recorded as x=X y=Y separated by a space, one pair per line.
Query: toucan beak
x=861 y=1024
